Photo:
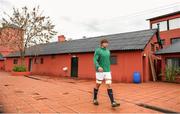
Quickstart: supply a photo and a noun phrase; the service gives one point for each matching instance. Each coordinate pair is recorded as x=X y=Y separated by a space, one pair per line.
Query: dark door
x=74 y=67
x=158 y=70
x=30 y=64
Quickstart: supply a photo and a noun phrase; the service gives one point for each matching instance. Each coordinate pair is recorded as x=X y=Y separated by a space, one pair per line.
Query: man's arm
x=96 y=57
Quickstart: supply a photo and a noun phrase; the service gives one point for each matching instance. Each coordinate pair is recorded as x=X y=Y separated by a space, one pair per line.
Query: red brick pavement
x=23 y=94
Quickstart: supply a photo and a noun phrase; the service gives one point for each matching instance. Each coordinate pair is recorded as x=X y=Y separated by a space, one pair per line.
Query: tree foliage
x=36 y=27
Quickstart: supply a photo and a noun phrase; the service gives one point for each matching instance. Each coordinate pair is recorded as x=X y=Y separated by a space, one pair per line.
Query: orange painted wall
x=128 y=62
x=53 y=65
x=9 y=63
x=168 y=35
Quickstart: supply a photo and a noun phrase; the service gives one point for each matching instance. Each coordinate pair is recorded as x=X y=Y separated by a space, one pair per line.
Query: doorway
x=158 y=69
x=30 y=64
x=74 y=67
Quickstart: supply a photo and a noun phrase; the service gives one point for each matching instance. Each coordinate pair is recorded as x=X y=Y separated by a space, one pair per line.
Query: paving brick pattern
x=44 y=94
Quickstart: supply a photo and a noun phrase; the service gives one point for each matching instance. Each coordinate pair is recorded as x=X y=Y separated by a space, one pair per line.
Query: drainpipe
x=158 y=37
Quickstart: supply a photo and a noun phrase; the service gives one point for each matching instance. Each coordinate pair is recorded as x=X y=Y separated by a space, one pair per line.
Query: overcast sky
x=78 y=18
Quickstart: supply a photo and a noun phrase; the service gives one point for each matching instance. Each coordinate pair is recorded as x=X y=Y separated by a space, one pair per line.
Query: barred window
x=15 y=61
x=113 y=59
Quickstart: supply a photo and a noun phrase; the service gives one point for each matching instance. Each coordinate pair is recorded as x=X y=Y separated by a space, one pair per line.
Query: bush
x=171 y=73
x=19 y=69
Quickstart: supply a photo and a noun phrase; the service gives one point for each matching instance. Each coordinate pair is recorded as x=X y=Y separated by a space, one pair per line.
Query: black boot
x=95 y=102
x=113 y=103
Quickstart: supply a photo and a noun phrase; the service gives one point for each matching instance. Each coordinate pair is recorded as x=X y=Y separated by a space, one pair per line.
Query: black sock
x=110 y=93
x=95 y=93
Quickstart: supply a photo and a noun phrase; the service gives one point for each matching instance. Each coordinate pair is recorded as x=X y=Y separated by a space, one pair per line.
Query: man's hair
x=104 y=41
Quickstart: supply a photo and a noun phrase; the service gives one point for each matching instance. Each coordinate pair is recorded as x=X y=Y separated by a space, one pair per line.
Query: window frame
x=15 y=61
x=154 y=25
x=115 y=62
x=174 y=39
x=170 y=20
x=166 y=60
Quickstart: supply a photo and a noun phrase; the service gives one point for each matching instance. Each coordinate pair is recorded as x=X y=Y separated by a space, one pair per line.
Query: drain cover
x=41 y=98
x=36 y=94
x=18 y=91
x=72 y=82
x=65 y=93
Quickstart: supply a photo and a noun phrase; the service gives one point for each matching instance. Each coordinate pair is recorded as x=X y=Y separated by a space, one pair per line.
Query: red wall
x=9 y=63
x=128 y=62
x=168 y=35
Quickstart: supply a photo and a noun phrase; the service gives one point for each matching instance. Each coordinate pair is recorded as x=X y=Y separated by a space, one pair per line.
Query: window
x=42 y=60
x=36 y=61
x=113 y=59
x=162 y=26
x=173 y=62
x=15 y=61
x=154 y=25
x=174 y=40
x=174 y=23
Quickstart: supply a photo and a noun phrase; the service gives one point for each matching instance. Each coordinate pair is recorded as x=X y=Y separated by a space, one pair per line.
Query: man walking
x=102 y=65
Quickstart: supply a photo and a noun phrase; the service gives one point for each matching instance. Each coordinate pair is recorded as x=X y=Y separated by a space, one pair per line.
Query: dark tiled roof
x=166 y=15
x=174 y=48
x=123 y=41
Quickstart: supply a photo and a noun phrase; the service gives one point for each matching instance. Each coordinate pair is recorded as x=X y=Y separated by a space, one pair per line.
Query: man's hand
x=100 y=69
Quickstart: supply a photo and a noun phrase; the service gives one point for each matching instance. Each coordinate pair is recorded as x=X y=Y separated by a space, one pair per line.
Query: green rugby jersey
x=102 y=59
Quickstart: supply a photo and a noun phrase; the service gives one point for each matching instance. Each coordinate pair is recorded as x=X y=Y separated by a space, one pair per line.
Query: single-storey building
x=130 y=52
x=170 y=58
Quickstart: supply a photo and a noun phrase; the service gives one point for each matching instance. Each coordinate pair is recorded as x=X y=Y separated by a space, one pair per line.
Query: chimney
x=61 y=38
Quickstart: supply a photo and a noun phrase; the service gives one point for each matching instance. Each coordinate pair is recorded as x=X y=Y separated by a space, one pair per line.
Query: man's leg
x=99 y=78
x=110 y=91
x=96 y=90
